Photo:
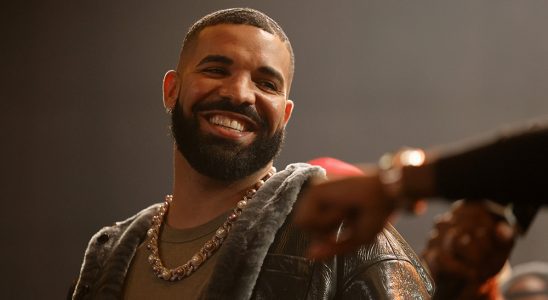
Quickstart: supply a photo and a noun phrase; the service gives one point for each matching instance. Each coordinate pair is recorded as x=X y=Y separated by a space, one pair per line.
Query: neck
x=198 y=199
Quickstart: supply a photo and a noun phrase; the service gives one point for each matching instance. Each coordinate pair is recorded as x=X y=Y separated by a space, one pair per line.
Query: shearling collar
x=239 y=262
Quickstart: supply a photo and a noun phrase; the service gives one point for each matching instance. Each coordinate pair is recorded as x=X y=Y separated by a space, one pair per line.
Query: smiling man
x=225 y=231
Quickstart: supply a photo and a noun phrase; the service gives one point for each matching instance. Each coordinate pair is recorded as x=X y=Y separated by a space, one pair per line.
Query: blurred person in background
x=528 y=281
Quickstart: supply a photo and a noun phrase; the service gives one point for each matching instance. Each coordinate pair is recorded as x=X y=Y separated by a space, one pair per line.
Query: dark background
x=84 y=138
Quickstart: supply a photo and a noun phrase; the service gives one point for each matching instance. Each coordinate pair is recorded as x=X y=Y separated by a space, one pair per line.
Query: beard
x=220 y=158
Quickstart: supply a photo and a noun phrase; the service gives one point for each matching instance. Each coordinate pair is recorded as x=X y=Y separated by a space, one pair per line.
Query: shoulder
x=102 y=242
x=108 y=235
x=288 y=183
x=296 y=171
x=388 y=262
x=292 y=178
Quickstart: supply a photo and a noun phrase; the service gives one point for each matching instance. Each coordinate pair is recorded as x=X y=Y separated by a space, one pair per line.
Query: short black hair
x=240 y=16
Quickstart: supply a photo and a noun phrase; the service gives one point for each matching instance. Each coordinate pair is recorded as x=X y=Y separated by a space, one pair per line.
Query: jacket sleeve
x=508 y=167
x=387 y=269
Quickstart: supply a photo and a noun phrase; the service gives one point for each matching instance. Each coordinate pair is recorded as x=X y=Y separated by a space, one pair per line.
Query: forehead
x=242 y=43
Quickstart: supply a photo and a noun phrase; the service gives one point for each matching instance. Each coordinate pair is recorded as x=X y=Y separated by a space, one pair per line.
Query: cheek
x=275 y=111
x=194 y=92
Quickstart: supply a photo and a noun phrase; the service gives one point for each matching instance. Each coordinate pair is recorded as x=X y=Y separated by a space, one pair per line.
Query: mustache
x=227 y=105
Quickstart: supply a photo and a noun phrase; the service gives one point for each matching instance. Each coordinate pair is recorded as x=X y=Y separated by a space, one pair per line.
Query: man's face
x=232 y=107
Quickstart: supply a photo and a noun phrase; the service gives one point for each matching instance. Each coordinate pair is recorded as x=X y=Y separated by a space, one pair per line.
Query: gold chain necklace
x=207 y=249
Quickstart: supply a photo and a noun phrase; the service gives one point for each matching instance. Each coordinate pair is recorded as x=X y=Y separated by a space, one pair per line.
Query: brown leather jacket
x=264 y=256
x=386 y=269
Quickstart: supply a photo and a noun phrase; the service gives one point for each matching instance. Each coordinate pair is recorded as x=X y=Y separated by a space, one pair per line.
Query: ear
x=170 y=89
x=288 y=110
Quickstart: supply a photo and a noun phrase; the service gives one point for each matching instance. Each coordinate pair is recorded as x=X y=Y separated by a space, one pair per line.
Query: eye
x=268 y=86
x=215 y=71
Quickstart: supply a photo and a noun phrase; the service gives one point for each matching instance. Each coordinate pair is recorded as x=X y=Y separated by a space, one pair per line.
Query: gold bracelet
x=391 y=174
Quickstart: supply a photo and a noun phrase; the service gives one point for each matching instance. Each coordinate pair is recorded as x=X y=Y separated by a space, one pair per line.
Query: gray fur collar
x=239 y=262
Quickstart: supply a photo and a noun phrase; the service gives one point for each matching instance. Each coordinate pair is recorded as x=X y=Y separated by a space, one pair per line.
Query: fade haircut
x=239 y=16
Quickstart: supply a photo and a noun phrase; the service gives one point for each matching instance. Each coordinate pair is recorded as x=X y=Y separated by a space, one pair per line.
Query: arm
x=512 y=166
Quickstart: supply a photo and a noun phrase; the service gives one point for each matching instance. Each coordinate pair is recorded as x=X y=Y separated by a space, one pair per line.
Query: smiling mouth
x=227 y=122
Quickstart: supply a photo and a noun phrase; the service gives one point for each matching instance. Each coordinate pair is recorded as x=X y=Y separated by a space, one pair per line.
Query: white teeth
x=235 y=125
x=226 y=122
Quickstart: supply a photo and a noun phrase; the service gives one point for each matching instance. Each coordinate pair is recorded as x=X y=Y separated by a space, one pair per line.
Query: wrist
x=406 y=176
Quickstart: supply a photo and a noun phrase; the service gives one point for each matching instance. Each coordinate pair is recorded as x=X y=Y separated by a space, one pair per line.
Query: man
x=224 y=233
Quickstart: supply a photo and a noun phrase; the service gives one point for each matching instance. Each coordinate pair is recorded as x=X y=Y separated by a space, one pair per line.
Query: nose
x=239 y=89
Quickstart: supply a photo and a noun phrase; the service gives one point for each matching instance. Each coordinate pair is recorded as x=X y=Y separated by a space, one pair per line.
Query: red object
x=335 y=167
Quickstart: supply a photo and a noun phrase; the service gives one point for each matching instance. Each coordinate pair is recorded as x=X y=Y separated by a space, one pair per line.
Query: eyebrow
x=215 y=58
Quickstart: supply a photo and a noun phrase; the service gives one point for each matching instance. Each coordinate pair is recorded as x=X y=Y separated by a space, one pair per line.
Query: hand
x=467 y=248
x=358 y=201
